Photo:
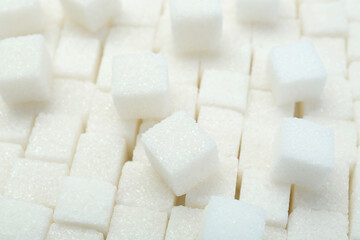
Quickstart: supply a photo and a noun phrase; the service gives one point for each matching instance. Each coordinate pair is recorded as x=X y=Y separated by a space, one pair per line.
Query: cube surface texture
x=264 y=11
x=65 y=232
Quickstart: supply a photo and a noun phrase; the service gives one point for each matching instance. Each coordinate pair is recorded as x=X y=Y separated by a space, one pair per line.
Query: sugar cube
x=353 y=50
x=354 y=209
x=51 y=35
x=139 y=154
x=354 y=78
x=264 y=11
x=181 y=152
x=296 y=72
x=140 y=86
x=137 y=223
x=85 y=203
x=184 y=98
x=184 y=223
x=258 y=188
x=64 y=232
x=287 y=9
x=19 y=17
x=99 y=156
x=221 y=184
x=303 y=153
x=53 y=11
x=19 y=84
x=313 y=225
x=22 y=220
x=141 y=186
x=91 y=14
x=35 y=181
x=196 y=26
x=231 y=219
x=54 y=138
x=272 y=233
x=352 y=8
x=259 y=79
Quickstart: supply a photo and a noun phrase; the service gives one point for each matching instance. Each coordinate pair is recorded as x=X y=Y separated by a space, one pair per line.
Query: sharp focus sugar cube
x=27 y=76
x=264 y=11
x=196 y=25
x=272 y=233
x=229 y=219
x=140 y=86
x=303 y=153
x=181 y=152
x=296 y=72
x=85 y=203
x=64 y=232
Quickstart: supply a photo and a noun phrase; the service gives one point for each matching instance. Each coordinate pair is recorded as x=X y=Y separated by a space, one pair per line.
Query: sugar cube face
x=24 y=17
x=231 y=219
x=137 y=223
x=296 y=72
x=141 y=186
x=258 y=188
x=99 y=156
x=184 y=223
x=184 y=98
x=354 y=78
x=272 y=233
x=77 y=58
x=181 y=152
x=19 y=84
x=326 y=18
x=287 y=8
x=301 y=144
x=352 y=8
x=35 y=181
x=53 y=11
x=312 y=225
x=93 y=14
x=22 y=220
x=353 y=50
x=196 y=26
x=224 y=127
x=64 y=232
x=8 y=154
x=54 y=138
x=223 y=184
x=217 y=84
x=140 y=86
x=265 y=11
x=85 y=203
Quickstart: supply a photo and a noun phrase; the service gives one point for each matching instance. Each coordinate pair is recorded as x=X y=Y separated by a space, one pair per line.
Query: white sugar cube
x=272 y=233
x=217 y=84
x=354 y=205
x=184 y=223
x=77 y=58
x=85 y=203
x=8 y=154
x=258 y=188
x=183 y=98
x=140 y=86
x=231 y=219
x=296 y=72
x=64 y=232
x=99 y=156
x=54 y=138
x=141 y=186
x=18 y=17
x=353 y=50
x=181 y=152
x=354 y=78
x=224 y=127
x=91 y=14
x=51 y=35
x=139 y=154
x=326 y=18
x=264 y=11
x=314 y=225
x=221 y=184
x=53 y=11
x=303 y=153
x=35 y=181
x=22 y=220
x=352 y=8
x=287 y=8
x=259 y=79
x=137 y=224
x=196 y=26
x=19 y=84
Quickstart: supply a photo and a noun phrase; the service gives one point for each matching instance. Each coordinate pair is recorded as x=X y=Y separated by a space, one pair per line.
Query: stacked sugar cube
x=175 y=119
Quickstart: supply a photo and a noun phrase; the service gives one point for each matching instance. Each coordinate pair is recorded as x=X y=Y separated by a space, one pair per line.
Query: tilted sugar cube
x=352 y=8
x=22 y=220
x=265 y=11
x=99 y=156
x=181 y=152
x=91 y=14
x=141 y=186
x=140 y=86
x=137 y=223
x=65 y=232
x=35 y=181
x=19 y=84
x=85 y=203
x=196 y=26
x=272 y=233
x=19 y=17
x=354 y=78
x=353 y=47
x=303 y=153
x=231 y=219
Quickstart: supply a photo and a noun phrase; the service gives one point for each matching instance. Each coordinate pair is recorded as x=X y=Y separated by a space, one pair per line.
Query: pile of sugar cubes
x=179 y=119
